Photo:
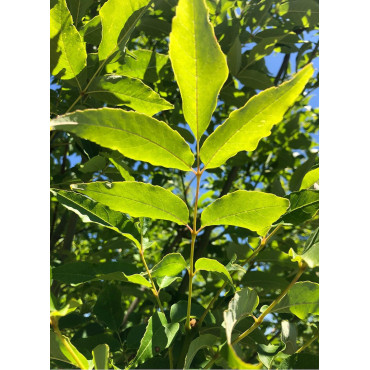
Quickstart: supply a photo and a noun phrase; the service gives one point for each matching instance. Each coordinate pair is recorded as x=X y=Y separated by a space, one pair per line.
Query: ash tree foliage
x=184 y=185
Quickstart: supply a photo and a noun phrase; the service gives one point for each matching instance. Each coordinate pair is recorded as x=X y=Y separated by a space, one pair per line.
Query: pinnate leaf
x=131 y=92
x=133 y=134
x=246 y=126
x=199 y=65
x=170 y=265
x=250 y=209
x=137 y=199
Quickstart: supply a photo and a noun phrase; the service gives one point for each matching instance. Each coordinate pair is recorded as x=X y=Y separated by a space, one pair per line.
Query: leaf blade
x=170 y=265
x=137 y=199
x=211 y=265
x=199 y=65
x=261 y=210
x=246 y=126
x=133 y=134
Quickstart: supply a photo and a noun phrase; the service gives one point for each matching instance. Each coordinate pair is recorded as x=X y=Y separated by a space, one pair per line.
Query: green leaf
x=264 y=279
x=91 y=211
x=289 y=334
x=198 y=63
x=234 y=57
x=310 y=179
x=246 y=126
x=207 y=264
x=243 y=304
x=118 y=160
x=147 y=66
x=131 y=92
x=108 y=307
x=134 y=135
x=166 y=281
x=267 y=353
x=100 y=356
x=299 y=173
x=67 y=309
x=58 y=351
x=234 y=361
x=118 y=18
x=137 y=199
x=203 y=341
x=78 y=9
x=81 y=272
x=253 y=210
x=303 y=13
x=94 y=164
x=158 y=336
x=254 y=79
x=178 y=312
x=310 y=254
x=300 y=361
x=170 y=265
x=67 y=50
x=91 y=31
x=301 y=300
x=303 y=206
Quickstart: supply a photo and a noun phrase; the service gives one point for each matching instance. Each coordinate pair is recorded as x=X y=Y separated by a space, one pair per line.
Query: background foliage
x=114 y=310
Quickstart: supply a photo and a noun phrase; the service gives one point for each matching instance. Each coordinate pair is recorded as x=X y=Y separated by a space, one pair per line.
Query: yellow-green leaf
x=131 y=92
x=310 y=179
x=118 y=18
x=199 y=65
x=253 y=210
x=207 y=264
x=67 y=50
x=137 y=199
x=246 y=126
x=134 y=135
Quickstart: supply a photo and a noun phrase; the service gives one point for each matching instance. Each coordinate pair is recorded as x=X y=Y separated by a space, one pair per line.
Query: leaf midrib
x=129 y=132
x=138 y=201
x=249 y=120
x=246 y=211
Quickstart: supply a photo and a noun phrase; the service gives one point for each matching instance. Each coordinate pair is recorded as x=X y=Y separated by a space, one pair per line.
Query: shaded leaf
x=179 y=310
x=303 y=206
x=158 y=336
x=298 y=175
x=203 y=341
x=122 y=90
x=134 y=135
x=137 y=199
x=170 y=265
x=243 y=304
x=310 y=253
x=246 y=126
x=91 y=31
x=91 y=211
x=166 y=281
x=234 y=361
x=300 y=361
x=199 y=65
x=234 y=57
x=289 y=334
x=267 y=353
x=250 y=209
x=108 y=307
x=301 y=300
x=58 y=351
x=78 y=9
x=67 y=309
